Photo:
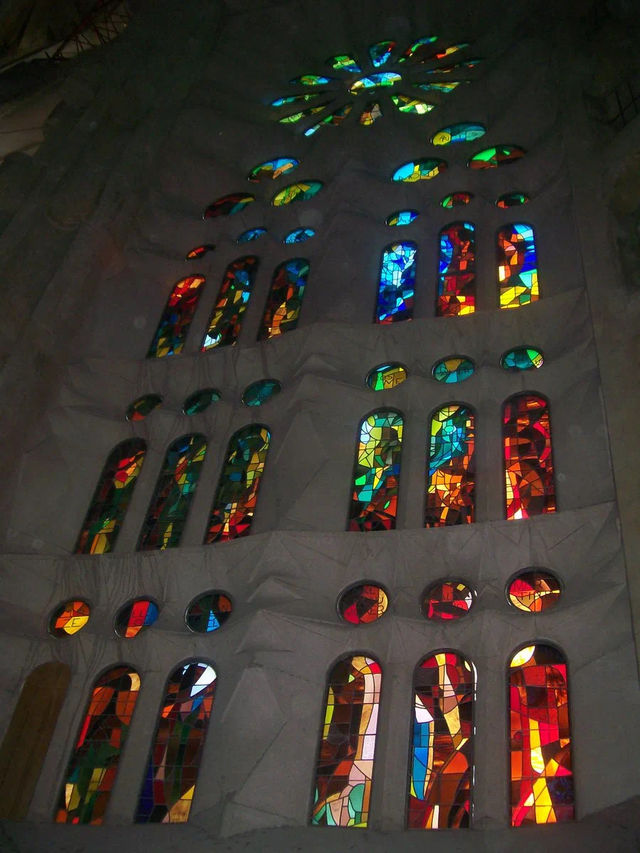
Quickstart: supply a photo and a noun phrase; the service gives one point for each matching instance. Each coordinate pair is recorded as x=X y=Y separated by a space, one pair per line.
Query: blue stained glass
x=381 y=52
x=375 y=81
x=397 y=282
x=401 y=217
x=251 y=234
x=299 y=235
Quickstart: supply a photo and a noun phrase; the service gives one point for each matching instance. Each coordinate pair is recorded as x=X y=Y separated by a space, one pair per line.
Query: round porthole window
x=534 y=590
x=69 y=618
x=447 y=600
x=363 y=603
x=208 y=612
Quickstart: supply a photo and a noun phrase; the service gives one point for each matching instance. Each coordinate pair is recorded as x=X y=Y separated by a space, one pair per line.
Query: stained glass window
x=401 y=217
x=299 y=235
x=527 y=457
x=379 y=80
x=453 y=369
x=259 y=392
x=457 y=270
x=463 y=132
x=237 y=494
x=534 y=590
x=200 y=400
x=458 y=199
x=272 y=169
x=540 y=737
x=92 y=769
x=334 y=119
x=176 y=486
x=302 y=191
x=370 y=114
x=310 y=80
x=285 y=298
x=233 y=297
x=135 y=617
x=228 y=205
x=441 y=88
x=199 y=251
x=441 y=762
x=69 y=618
x=405 y=104
x=296 y=99
x=344 y=62
x=208 y=612
x=374 y=499
x=296 y=117
x=419 y=170
x=347 y=745
x=384 y=377
x=251 y=234
x=522 y=358
x=143 y=406
x=512 y=200
x=111 y=498
x=491 y=158
x=419 y=49
x=380 y=52
x=447 y=600
x=363 y=603
x=176 y=318
x=467 y=65
x=396 y=286
x=170 y=781
x=451 y=477
x=517 y=266
x=447 y=51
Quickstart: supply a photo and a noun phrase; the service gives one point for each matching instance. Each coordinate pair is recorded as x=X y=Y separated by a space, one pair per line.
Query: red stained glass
x=450 y=476
x=457 y=278
x=232 y=301
x=176 y=318
x=447 y=600
x=534 y=591
x=363 y=603
x=528 y=459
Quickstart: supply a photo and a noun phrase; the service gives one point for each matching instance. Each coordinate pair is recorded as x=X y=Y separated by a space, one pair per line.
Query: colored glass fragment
x=272 y=169
x=251 y=234
x=208 y=612
x=176 y=486
x=419 y=170
x=302 y=191
x=441 y=762
x=380 y=52
x=285 y=298
x=396 y=286
x=451 y=478
x=468 y=65
x=447 y=600
x=540 y=737
x=512 y=200
x=294 y=118
x=453 y=369
x=170 y=781
x=534 y=590
x=228 y=205
x=305 y=98
x=199 y=251
x=259 y=392
x=442 y=88
x=69 y=618
x=347 y=745
x=176 y=318
x=522 y=358
x=418 y=50
x=517 y=266
x=457 y=270
x=233 y=297
x=344 y=62
x=370 y=114
x=363 y=603
x=526 y=435
x=374 y=499
x=237 y=494
x=140 y=408
x=384 y=377
x=411 y=105
x=462 y=132
x=135 y=616
x=456 y=199
x=453 y=48
x=379 y=80
x=93 y=766
x=401 y=217
x=500 y=155
x=310 y=80
x=334 y=119
x=299 y=235
x=200 y=400
x=111 y=498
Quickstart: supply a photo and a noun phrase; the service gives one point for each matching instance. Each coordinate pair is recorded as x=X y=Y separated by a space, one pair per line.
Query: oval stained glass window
x=310 y=80
x=199 y=251
x=259 y=392
x=208 y=612
x=251 y=234
x=344 y=62
x=200 y=400
x=401 y=217
x=135 y=617
x=453 y=369
x=534 y=590
x=386 y=376
x=447 y=600
x=419 y=170
x=143 y=406
x=296 y=99
x=379 y=80
x=296 y=117
x=463 y=132
x=512 y=200
x=228 y=205
x=405 y=104
x=334 y=119
x=302 y=191
x=456 y=200
x=299 y=235
x=380 y=52
x=491 y=158
x=522 y=358
x=69 y=618
x=363 y=603
x=272 y=169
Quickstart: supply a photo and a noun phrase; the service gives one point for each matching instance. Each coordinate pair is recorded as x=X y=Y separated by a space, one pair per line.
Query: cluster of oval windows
x=401 y=218
x=254 y=394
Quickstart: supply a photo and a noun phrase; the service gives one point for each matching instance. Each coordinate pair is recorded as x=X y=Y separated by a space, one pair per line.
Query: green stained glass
x=453 y=369
x=296 y=117
x=334 y=119
x=228 y=205
x=491 y=158
x=522 y=358
x=310 y=80
x=200 y=400
x=374 y=498
x=411 y=105
x=401 y=217
x=443 y=88
x=384 y=377
x=463 y=132
x=301 y=191
x=456 y=199
x=381 y=79
x=468 y=65
x=344 y=62
x=272 y=169
x=233 y=297
x=419 y=170
x=380 y=52
x=512 y=200
x=305 y=98
x=140 y=408
x=259 y=392
x=418 y=50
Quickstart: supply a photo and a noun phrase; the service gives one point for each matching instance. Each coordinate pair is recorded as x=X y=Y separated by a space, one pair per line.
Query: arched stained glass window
x=528 y=461
x=176 y=486
x=396 y=287
x=457 y=276
x=517 y=266
x=111 y=498
x=347 y=745
x=441 y=762
x=451 y=478
x=233 y=297
x=176 y=318
x=285 y=298
x=374 y=499
x=170 y=781
x=540 y=737
x=237 y=495
x=92 y=769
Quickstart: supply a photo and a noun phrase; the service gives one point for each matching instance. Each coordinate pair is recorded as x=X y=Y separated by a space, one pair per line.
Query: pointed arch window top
x=176 y=318
x=233 y=298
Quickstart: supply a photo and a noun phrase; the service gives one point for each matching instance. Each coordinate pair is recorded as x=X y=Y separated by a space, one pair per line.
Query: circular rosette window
x=534 y=590
x=69 y=618
x=447 y=600
x=363 y=603
x=135 y=617
x=208 y=612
